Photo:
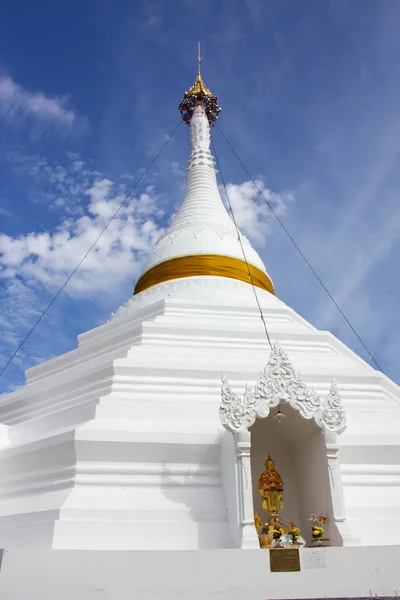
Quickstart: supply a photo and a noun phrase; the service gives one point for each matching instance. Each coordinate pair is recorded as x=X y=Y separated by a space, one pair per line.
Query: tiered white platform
x=116 y=445
x=198 y=575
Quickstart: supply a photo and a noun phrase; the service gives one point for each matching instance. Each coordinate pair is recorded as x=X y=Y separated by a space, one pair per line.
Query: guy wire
x=300 y=252
x=70 y=276
x=241 y=244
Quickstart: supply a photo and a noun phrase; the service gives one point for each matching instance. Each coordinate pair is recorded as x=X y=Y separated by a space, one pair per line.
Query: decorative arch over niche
x=279 y=384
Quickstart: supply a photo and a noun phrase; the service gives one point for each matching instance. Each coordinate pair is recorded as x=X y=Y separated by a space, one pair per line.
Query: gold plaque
x=284 y=560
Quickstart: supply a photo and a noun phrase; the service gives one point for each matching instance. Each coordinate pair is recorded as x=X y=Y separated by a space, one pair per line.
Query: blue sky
x=310 y=92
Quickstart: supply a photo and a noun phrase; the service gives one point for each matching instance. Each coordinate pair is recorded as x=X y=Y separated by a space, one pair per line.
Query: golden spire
x=199 y=94
x=199 y=58
x=199 y=86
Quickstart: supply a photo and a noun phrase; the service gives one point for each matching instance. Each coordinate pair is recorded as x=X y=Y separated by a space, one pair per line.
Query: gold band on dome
x=200 y=265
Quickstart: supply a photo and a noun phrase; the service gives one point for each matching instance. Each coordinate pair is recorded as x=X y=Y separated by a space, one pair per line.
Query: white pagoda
x=132 y=442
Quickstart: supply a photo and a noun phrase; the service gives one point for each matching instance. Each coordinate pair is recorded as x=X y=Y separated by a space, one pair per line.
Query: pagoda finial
x=199 y=58
x=199 y=94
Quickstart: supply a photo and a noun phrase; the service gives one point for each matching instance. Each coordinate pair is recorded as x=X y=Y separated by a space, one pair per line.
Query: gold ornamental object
x=199 y=95
x=204 y=264
x=270 y=488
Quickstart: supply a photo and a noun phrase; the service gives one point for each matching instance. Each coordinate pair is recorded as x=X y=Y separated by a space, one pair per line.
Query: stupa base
x=197 y=575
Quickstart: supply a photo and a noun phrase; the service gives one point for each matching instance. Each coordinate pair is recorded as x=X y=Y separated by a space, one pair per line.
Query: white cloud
x=355 y=247
x=59 y=186
x=49 y=257
x=17 y=103
x=35 y=265
x=251 y=212
x=363 y=262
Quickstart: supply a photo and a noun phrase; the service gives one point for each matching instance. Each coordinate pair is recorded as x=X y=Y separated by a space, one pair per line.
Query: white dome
x=202 y=226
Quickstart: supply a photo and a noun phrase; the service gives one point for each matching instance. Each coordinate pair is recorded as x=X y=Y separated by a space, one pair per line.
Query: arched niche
x=298 y=447
x=308 y=445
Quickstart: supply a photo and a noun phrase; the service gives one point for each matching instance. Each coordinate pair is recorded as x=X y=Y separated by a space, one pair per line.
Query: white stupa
x=126 y=444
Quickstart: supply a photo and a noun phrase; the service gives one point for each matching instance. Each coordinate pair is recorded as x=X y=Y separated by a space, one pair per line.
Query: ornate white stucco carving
x=196 y=230
x=331 y=415
x=237 y=413
x=205 y=290
x=279 y=383
x=200 y=132
x=202 y=224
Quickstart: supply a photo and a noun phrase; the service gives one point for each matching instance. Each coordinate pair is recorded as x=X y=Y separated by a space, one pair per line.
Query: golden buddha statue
x=270 y=488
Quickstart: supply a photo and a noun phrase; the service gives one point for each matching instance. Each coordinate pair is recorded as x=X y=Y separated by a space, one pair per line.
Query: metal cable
x=301 y=253
x=91 y=248
x=241 y=245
